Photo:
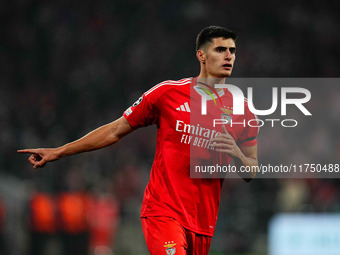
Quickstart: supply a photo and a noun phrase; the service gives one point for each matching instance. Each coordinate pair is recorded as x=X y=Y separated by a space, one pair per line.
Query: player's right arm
x=99 y=138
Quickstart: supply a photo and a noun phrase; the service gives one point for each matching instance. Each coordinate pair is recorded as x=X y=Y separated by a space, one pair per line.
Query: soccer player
x=179 y=213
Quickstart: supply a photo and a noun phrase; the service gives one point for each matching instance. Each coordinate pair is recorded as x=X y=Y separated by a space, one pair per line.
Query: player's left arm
x=242 y=156
x=247 y=157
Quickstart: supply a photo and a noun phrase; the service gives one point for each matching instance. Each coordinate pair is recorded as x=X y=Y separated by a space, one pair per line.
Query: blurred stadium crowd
x=67 y=67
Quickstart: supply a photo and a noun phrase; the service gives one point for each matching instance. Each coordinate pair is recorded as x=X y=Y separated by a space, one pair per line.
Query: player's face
x=219 y=58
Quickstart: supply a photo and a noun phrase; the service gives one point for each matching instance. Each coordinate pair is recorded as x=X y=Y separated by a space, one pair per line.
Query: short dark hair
x=208 y=33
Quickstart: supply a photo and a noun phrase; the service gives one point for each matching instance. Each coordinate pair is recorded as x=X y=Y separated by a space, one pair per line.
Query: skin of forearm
x=97 y=139
x=241 y=160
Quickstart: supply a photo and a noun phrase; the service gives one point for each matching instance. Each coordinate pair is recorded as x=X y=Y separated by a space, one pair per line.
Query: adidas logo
x=184 y=107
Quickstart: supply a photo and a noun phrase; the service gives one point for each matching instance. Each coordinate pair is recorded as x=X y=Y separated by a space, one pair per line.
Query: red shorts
x=164 y=235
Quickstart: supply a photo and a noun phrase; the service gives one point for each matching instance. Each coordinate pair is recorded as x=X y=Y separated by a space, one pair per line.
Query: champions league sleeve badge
x=138 y=101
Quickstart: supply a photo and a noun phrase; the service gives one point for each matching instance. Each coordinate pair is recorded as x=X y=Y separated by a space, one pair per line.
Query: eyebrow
x=231 y=49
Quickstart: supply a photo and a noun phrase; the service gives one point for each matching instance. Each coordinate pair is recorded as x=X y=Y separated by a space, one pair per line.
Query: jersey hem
x=197 y=231
x=248 y=144
x=130 y=121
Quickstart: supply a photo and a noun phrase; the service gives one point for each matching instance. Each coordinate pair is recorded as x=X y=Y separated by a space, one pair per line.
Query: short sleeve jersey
x=193 y=202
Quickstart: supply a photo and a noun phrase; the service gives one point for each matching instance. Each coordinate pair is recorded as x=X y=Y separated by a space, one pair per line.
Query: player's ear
x=201 y=56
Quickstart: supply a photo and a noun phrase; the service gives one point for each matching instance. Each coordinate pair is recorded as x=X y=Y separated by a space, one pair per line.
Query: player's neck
x=210 y=81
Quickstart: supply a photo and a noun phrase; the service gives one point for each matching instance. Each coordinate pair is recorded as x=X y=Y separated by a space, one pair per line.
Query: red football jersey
x=182 y=139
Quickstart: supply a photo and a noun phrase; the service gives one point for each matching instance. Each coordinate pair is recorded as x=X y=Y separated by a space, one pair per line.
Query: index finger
x=224 y=130
x=27 y=151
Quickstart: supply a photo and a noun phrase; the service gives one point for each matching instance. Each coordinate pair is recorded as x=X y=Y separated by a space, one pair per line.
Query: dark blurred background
x=67 y=67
